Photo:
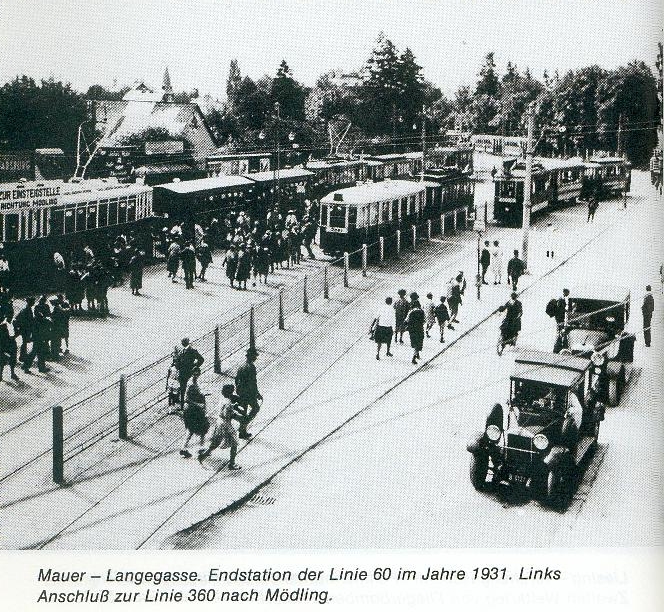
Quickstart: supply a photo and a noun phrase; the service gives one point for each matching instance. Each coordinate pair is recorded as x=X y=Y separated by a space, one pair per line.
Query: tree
x=44 y=115
x=233 y=84
x=630 y=91
x=486 y=98
x=288 y=93
x=252 y=104
x=410 y=88
x=488 y=83
x=99 y=92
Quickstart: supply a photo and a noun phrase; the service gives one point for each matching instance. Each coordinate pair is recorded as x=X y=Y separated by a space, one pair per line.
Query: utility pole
x=424 y=135
x=620 y=135
x=527 y=184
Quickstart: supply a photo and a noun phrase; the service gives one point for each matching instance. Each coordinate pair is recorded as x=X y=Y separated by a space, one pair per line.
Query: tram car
x=335 y=173
x=360 y=215
x=554 y=183
x=38 y=219
x=608 y=176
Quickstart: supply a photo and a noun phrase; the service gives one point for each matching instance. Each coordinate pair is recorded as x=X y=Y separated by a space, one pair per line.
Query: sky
x=122 y=41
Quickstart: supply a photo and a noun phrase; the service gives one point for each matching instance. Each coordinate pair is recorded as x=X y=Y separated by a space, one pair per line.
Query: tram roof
x=205 y=184
x=284 y=173
x=606 y=160
x=114 y=191
x=367 y=193
x=330 y=163
x=543 y=164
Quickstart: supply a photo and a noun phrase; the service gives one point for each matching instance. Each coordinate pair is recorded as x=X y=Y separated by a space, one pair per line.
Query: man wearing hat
x=401 y=308
x=188 y=359
x=248 y=394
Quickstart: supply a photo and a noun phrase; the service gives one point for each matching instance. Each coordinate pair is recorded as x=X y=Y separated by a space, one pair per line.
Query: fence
x=129 y=403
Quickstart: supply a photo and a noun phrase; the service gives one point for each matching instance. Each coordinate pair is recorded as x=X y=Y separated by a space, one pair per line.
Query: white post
x=381 y=242
x=364 y=260
x=527 y=184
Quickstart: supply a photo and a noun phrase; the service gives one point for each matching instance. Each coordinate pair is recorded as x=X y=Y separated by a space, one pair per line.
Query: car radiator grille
x=519 y=448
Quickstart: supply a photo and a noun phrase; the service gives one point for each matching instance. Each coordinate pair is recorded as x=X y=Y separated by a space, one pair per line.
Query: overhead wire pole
x=424 y=138
x=527 y=186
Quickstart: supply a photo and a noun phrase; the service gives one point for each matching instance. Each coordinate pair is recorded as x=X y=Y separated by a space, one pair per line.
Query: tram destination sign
x=28 y=197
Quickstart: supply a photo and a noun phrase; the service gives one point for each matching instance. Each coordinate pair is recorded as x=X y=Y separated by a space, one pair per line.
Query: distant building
x=150 y=136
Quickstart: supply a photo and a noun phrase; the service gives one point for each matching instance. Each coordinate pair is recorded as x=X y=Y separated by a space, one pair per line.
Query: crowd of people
x=41 y=327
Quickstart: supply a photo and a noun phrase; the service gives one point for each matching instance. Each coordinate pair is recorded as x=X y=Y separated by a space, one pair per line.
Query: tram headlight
x=540 y=442
x=493 y=433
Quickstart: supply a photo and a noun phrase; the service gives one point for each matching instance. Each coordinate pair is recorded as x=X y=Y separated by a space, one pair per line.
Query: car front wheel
x=558 y=487
x=479 y=468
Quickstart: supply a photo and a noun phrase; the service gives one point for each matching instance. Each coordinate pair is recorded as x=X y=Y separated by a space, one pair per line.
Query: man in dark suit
x=188 y=256
x=485 y=260
x=246 y=387
x=25 y=326
x=187 y=358
x=647 y=309
x=515 y=269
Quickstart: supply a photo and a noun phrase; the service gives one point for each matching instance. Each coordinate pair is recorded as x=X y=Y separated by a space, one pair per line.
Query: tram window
x=385 y=211
x=395 y=210
x=11 y=227
x=352 y=217
x=122 y=212
x=323 y=214
x=112 y=212
x=38 y=223
x=70 y=226
x=27 y=225
x=131 y=209
x=57 y=221
x=411 y=206
x=373 y=214
x=80 y=219
x=337 y=216
x=92 y=217
x=404 y=209
x=507 y=189
x=103 y=213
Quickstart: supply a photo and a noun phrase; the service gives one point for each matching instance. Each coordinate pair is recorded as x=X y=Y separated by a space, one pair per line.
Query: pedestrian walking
x=136 y=264
x=230 y=261
x=243 y=271
x=415 y=321
x=485 y=261
x=248 y=394
x=383 y=326
x=173 y=260
x=593 y=204
x=497 y=263
x=429 y=313
x=453 y=300
x=187 y=359
x=41 y=337
x=224 y=433
x=188 y=256
x=511 y=323
x=204 y=255
x=8 y=348
x=401 y=307
x=194 y=416
x=25 y=327
x=515 y=269
x=173 y=384
x=442 y=316
x=647 y=309
x=61 y=315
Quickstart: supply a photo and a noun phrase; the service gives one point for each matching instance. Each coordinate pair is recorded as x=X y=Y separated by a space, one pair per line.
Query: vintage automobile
x=596 y=329
x=549 y=427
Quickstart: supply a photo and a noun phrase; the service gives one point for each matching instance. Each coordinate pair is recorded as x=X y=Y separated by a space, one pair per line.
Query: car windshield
x=597 y=314
x=537 y=402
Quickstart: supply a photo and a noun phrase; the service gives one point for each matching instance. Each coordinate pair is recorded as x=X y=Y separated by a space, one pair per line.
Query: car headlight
x=493 y=433
x=540 y=442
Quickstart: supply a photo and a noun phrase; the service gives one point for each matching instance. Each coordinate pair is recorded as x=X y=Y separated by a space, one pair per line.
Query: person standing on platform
x=230 y=261
x=383 y=326
x=188 y=257
x=41 y=337
x=515 y=269
x=243 y=272
x=415 y=324
x=224 y=433
x=442 y=316
x=25 y=327
x=497 y=263
x=8 y=348
x=401 y=307
x=173 y=260
x=248 y=395
x=647 y=309
x=136 y=272
x=204 y=255
x=485 y=261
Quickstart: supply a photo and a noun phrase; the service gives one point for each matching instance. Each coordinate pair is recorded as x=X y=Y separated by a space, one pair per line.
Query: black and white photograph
x=305 y=276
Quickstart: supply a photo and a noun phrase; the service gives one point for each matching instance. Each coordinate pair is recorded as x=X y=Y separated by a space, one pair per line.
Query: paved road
x=397 y=475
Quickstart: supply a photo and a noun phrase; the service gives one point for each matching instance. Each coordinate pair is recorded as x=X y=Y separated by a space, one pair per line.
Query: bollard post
x=381 y=243
x=414 y=231
x=442 y=224
x=465 y=217
x=281 y=308
x=58 y=444
x=252 y=329
x=326 y=286
x=398 y=242
x=346 y=269
x=217 y=351
x=122 y=408
x=429 y=230
x=364 y=259
x=305 y=297
x=454 y=220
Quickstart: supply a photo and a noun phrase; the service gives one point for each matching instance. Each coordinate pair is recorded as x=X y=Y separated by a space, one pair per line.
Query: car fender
x=555 y=456
x=476 y=443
